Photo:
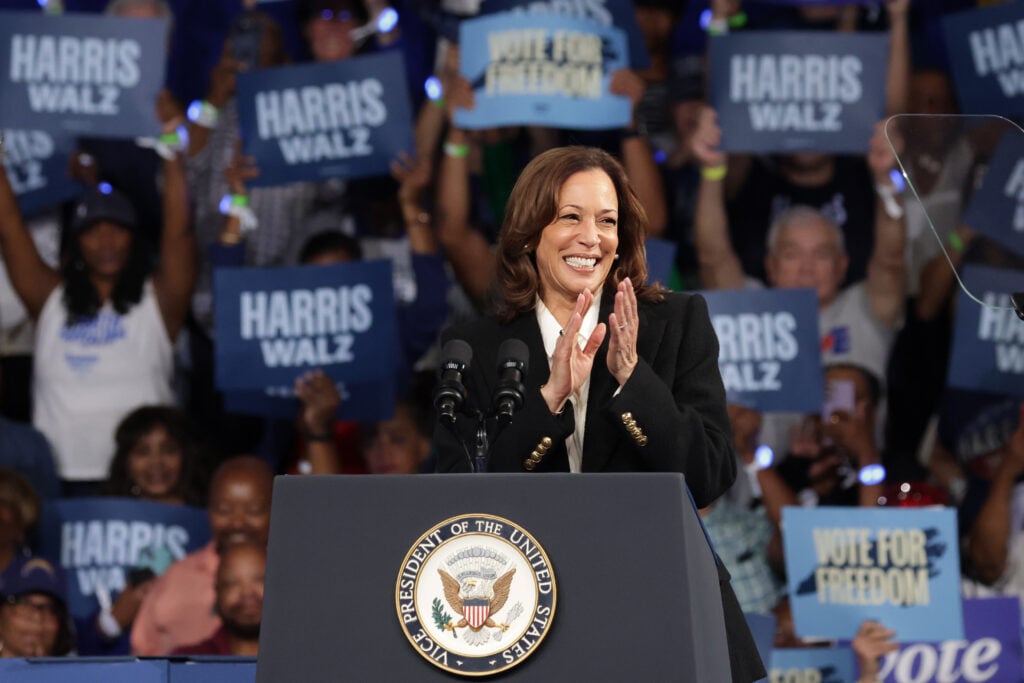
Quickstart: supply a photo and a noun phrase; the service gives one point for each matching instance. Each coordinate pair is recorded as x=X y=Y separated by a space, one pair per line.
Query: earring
x=616 y=256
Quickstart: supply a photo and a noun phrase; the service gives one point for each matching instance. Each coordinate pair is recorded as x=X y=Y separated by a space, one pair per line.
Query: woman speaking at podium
x=623 y=375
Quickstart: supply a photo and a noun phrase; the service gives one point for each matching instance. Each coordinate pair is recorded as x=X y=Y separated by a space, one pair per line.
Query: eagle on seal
x=494 y=594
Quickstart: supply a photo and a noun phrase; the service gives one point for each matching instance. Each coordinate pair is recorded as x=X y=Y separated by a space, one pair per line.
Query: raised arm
x=175 y=275
x=989 y=540
x=466 y=248
x=638 y=158
x=897 y=79
x=720 y=267
x=887 y=269
x=33 y=280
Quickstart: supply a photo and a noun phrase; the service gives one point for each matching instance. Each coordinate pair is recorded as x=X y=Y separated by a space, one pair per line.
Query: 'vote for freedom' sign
x=988 y=340
x=345 y=119
x=36 y=162
x=997 y=207
x=273 y=324
x=548 y=70
x=768 y=348
x=98 y=541
x=84 y=74
x=789 y=91
x=986 y=52
x=605 y=12
x=897 y=566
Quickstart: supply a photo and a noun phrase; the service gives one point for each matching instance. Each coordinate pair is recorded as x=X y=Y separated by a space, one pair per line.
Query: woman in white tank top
x=105 y=322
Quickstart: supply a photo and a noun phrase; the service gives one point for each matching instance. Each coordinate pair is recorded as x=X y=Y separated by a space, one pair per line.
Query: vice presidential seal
x=475 y=595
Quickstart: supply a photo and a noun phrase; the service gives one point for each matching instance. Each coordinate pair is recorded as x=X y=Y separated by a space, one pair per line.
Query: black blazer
x=669 y=417
x=674 y=403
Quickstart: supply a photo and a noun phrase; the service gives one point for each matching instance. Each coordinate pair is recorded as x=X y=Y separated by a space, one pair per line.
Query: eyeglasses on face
x=34 y=605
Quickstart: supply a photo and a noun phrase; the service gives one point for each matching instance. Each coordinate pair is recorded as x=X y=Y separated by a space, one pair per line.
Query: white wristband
x=108 y=625
x=889 y=202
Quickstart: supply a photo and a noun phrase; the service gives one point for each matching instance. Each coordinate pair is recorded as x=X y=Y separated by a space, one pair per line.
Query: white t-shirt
x=87 y=377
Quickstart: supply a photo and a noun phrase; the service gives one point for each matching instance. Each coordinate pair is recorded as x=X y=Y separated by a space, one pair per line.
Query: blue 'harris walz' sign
x=768 y=348
x=36 y=162
x=789 y=91
x=986 y=53
x=897 y=566
x=273 y=324
x=552 y=71
x=89 y=75
x=98 y=541
x=997 y=208
x=618 y=13
x=988 y=340
x=345 y=119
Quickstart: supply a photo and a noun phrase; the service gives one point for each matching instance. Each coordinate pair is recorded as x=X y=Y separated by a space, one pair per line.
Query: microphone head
x=456 y=355
x=513 y=353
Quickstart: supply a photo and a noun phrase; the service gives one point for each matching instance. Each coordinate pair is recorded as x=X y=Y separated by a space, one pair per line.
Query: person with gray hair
x=806 y=249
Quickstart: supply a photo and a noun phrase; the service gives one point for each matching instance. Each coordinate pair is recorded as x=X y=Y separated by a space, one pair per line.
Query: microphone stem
x=480 y=457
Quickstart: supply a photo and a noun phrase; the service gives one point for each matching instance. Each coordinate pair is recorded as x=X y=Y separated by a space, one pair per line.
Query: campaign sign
x=812 y=665
x=986 y=52
x=98 y=541
x=768 y=348
x=897 y=566
x=36 y=162
x=546 y=70
x=273 y=324
x=83 y=670
x=368 y=401
x=789 y=91
x=990 y=650
x=988 y=341
x=85 y=74
x=997 y=207
x=661 y=257
x=346 y=119
x=605 y=12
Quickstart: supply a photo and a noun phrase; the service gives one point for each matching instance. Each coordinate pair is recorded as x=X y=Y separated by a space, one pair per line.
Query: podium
x=637 y=588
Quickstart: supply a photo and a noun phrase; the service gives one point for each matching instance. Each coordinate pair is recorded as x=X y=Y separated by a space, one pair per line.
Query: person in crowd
x=758 y=189
x=573 y=273
x=179 y=608
x=805 y=248
x=239 y=604
x=24 y=449
x=995 y=550
x=33 y=610
x=160 y=458
x=19 y=512
x=105 y=320
x=401 y=444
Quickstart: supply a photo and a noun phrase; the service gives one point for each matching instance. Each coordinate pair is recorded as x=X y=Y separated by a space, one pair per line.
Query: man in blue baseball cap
x=33 y=610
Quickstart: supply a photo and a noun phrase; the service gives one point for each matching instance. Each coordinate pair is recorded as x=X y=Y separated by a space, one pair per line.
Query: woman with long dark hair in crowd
x=160 y=458
x=105 y=321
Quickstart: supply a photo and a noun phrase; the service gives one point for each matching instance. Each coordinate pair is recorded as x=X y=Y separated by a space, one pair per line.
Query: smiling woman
x=623 y=375
x=159 y=458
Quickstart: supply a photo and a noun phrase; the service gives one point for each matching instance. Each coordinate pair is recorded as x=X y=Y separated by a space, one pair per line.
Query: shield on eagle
x=475 y=611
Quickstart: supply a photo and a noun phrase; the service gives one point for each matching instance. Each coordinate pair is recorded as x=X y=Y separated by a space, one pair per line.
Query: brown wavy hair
x=533 y=205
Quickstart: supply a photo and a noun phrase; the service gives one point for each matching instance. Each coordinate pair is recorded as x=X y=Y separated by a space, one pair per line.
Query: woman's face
x=154 y=464
x=397 y=447
x=577 y=250
x=29 y=627
x=330 y=34
x=105 y=248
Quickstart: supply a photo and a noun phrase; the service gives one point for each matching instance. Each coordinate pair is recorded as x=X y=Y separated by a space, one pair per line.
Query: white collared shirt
x=550 y=330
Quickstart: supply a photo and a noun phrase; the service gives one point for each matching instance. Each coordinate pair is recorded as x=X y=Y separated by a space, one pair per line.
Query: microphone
x=450 y=392
x=513 y=362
